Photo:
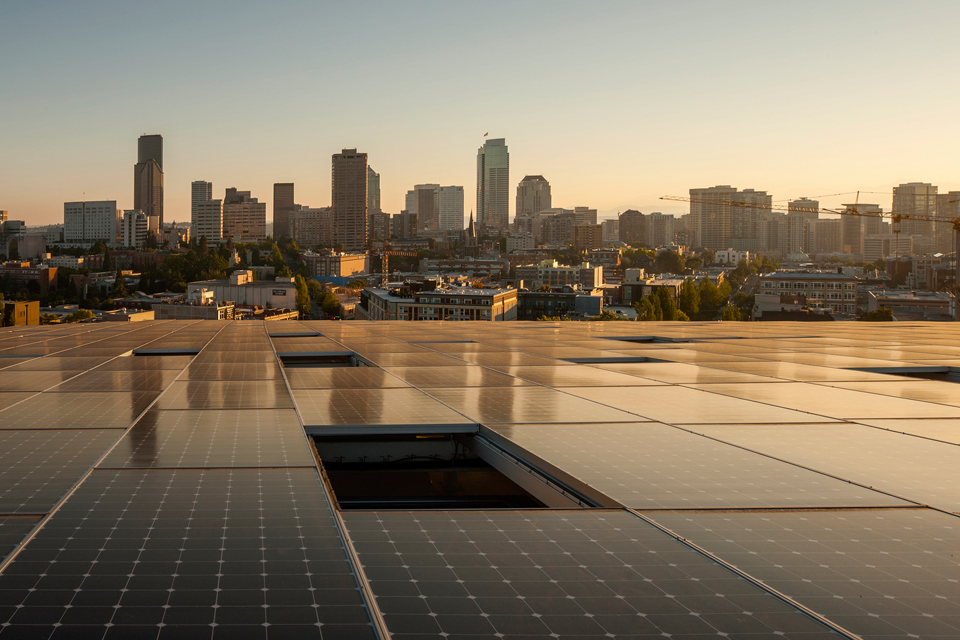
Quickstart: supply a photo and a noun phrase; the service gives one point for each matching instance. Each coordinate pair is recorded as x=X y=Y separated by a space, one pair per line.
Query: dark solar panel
x=362 y=407
x=169 y=554
x=86 y=410
x=244 y=438
x=342 y=378
x=234 y=394
x=655 y=466
x=526 y=404
x=232 y=371
x=878 y=573
x=12 y=530
x=38 y=467
x=585 y=574
x=97 y=380
x=456 y=377
x=33 y=380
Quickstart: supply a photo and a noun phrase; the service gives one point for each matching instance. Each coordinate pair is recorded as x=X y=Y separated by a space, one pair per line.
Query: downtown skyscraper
x=349 y=199
x=493 y=185
x=148 y=176
x=283 y=206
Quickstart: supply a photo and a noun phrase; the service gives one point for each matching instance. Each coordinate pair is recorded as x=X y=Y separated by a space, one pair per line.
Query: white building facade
x=91 y=222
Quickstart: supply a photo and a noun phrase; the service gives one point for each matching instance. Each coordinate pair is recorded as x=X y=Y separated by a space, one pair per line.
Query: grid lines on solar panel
x=879 y=573
x=170 y=554
x=576 y=377
x=650 y=465
x=360 y=407
x=834 y=402
x=231 y=371
x=526 y=405
x=342 y=378
x=684 y=405
x=39 y=466
x=97 y=380
x=583 y=574
x=56 y=363
x=225 y=394
x=207 y=439
x=925 y=471
x=426 y=377
x=12 y=531
x=148 y=363
x=33 y=380
x=86 y=410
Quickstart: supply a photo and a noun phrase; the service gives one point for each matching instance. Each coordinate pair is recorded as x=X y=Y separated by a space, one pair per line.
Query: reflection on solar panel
x=211 y=439
x=887 y=572
x=650 y=465
x=554 y=574
x=187 y=549
x=38 y=467
x=791 y=483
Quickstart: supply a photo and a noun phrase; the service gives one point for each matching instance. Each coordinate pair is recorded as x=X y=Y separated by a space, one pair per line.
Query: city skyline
x=641 y=103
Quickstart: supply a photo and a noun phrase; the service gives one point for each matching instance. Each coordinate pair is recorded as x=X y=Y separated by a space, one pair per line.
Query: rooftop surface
x=745 y=480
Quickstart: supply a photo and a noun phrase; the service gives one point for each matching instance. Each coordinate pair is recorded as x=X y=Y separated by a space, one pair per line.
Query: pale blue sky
x=615 y=103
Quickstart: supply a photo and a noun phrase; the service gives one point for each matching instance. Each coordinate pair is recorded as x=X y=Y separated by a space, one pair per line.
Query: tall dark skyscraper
x=148 y=176
x=283 y=204
x=350 y=199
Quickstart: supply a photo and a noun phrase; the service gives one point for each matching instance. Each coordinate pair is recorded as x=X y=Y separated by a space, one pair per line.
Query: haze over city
x=615 y=103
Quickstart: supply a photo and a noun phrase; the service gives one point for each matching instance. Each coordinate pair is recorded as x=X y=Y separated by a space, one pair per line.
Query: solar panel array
x=740 y=479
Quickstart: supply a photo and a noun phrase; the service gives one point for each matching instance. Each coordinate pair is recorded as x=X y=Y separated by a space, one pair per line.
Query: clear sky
x=615 y=103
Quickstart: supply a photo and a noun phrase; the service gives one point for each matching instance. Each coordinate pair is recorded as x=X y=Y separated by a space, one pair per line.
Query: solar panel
x=85 y=410
x=37 y=467
x=232 y=394
x=239 y=549
x=878 y=573
x=584 y=574
x=650 y=465
x=209 y=439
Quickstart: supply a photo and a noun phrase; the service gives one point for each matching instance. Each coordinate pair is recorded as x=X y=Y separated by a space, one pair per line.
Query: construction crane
x=385 y=259
x=854 y=210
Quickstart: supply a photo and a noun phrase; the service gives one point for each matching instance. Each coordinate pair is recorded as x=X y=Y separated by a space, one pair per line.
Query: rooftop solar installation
x=215 y=480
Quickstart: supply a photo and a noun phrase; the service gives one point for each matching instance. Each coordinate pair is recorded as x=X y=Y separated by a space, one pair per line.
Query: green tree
x=693 y=262
x=284 y=272
x=648 y=309
x=730 y=313
x=329 y=303
x=669 y=262
x=879 y=315
x=107 y=264
x=80 y=314
x=745 y=303
x=202 y=247
x=303 y=296
x=689 y=298
x=668 y=307
x=119 y=289
x=47 y=318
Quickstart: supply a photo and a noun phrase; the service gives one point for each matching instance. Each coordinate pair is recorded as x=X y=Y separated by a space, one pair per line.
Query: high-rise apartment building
x=350 y=199
x=208 y=222
x=493 y=184
x=148 y=176
x=748 y=208
x=200 y=191
x=948 y=206
x=632 y=227
x=91 y=222
x=533 y=196
x=854 y=228
x=805 y=208
x=373 y=190
x=244 y=218
x=710 y=215
x=915 y=198
x=424 y=201
x=283 y=204
x=312 y=227
x=450 y=201
x=136 y=227
x=378 y=225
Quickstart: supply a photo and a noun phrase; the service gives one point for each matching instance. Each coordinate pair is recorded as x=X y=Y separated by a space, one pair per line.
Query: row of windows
x=809 y=285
